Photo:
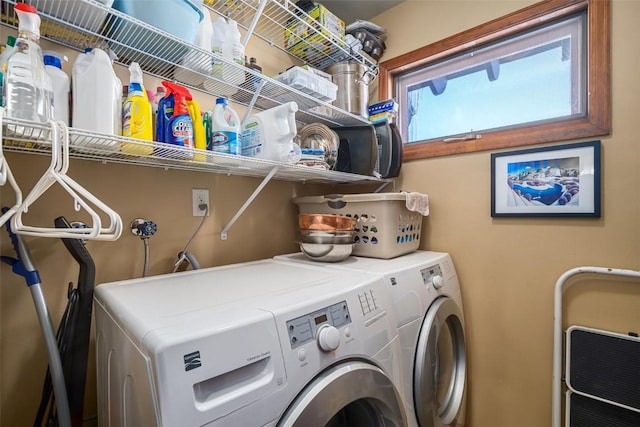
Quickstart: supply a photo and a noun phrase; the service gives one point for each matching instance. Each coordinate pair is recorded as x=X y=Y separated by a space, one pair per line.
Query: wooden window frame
x=596 y=122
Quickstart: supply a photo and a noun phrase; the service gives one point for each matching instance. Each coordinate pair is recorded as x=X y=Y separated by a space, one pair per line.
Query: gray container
x=352 y=79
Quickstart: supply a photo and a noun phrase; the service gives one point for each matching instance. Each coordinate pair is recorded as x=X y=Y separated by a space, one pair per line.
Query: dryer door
x=440 y=366
x=349 y=394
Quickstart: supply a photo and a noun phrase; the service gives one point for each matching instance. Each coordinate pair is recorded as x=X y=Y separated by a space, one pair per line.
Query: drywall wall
x=508 y=267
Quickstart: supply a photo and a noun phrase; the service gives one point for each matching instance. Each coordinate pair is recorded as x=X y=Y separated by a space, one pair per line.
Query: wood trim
x=598 y=119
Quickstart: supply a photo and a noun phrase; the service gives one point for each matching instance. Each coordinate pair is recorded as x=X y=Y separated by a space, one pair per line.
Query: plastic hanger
x=6 y=175
x=56 y=172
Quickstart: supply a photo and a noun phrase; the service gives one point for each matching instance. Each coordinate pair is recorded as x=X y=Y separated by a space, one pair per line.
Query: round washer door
x=349 y=394
x=440 y=365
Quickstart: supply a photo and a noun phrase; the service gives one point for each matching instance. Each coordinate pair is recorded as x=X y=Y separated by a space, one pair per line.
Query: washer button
x=302 y=354
x=347 y=332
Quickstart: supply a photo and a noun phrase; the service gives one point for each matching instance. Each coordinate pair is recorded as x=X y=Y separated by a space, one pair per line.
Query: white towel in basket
x=417 y=202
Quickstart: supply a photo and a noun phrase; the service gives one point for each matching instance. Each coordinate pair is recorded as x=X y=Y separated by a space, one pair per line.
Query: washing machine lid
x=440 y=366
x=348 y=383
x=185 y=305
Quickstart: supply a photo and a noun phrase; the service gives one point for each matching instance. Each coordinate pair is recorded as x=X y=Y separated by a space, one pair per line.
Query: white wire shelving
x=34 y=138
x=80 y=24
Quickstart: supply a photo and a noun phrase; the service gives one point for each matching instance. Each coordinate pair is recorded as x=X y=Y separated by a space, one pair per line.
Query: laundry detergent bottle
x=28 y=87
x=199 y=137
x=269 y=134
x=97 y=93
x=225 y=127
x=61 y=85
x=136 y=114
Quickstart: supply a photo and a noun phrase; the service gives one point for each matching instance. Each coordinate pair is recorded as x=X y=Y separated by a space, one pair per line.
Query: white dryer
x=430 y=319
x=252 y=344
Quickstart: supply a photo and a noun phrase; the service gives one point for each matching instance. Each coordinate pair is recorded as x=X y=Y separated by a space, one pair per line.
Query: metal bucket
x=352 y=79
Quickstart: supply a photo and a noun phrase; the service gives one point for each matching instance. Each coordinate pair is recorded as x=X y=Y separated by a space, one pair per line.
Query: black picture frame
x=555 y=181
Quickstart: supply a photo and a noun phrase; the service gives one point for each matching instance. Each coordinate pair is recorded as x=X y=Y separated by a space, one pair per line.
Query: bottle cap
x=222 y=101
x=52 y=60
x=11 y=41
x=28 y=19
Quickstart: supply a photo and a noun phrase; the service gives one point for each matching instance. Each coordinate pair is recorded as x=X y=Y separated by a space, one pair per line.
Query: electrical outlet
x=200 y=196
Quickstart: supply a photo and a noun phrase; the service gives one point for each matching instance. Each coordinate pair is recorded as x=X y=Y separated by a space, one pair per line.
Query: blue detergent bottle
x=180 y=127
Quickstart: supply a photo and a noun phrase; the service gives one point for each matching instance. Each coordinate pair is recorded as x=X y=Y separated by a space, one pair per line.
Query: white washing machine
x=426 y=295
x=254 y=344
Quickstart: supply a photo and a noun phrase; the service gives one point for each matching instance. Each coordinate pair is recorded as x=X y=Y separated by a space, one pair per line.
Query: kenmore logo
x=192 y=361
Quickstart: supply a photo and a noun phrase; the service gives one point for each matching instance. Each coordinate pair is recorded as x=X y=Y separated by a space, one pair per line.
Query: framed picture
x=562 y=180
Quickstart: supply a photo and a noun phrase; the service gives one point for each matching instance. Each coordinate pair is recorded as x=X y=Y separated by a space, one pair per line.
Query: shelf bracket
x=265 y=181
x=254 y=22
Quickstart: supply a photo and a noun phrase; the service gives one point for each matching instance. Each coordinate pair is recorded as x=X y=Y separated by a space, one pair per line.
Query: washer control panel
x=305 y=328
x=432 y=276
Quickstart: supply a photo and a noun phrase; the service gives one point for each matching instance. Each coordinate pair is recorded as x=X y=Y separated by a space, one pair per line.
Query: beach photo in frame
x=556 y=181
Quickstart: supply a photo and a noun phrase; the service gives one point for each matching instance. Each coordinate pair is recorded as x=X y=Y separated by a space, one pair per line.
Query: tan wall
x=508 y=267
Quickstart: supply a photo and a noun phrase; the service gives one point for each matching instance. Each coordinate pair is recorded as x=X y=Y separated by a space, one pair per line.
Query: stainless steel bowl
x=326 y=253
x=327 y=237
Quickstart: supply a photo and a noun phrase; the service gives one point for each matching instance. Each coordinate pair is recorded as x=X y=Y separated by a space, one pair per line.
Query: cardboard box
x=319 y=21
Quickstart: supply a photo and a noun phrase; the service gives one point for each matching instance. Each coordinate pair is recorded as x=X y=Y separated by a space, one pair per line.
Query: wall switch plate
x=200 y=196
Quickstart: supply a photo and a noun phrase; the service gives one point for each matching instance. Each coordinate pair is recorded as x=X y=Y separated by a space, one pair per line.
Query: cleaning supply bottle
x=180 y=127
x=28 y=87
x=253 y=64
x=225 y=127
x=136 y=114
x=8 y=49
x=269 y=134
x=97 y=94
x=199 y=138
x=233 y=50
x=217 y=41
x=155 y=102
x=165 y=112
x=61 y=84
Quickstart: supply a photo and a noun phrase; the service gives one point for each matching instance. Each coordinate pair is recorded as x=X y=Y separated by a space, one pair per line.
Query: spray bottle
x=180 y=128
x=136 y=114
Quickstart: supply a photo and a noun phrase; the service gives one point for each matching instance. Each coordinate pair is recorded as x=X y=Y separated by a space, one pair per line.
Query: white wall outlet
x=200 y=196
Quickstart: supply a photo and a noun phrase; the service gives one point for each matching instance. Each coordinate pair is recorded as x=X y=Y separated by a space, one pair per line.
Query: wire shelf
x=312 y=43
x=81 y=24
x=25 y=136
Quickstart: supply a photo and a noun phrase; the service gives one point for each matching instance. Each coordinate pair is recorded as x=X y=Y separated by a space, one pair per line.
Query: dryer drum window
x=440 y=365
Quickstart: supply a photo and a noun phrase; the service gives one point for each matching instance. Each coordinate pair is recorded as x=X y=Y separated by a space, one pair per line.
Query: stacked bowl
x=326 y=237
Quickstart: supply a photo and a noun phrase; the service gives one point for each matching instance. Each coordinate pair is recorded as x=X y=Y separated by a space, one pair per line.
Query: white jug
x=269 y=134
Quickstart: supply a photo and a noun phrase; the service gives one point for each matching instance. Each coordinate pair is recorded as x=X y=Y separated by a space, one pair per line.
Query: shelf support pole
x=254 y=22
x=265 y=181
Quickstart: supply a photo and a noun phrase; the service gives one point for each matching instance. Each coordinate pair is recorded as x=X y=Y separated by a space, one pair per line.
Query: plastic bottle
x=97 y=93
x=217 y=41
x=155 y=102
x=28 y=89
x=253 y=64
x=180 y=127
x=225 y=127
x=136 y=114
x=199 y=138
x=61 y=84
x=269 y=134
x=233 y=50
x=193 y=69
x=8 y=49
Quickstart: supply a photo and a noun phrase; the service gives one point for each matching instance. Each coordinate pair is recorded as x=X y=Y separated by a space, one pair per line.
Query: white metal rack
x=80 y=24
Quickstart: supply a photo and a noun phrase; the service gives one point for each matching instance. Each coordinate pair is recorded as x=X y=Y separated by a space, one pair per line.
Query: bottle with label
x=97 y=93
x=225 y=127
x=180 y=127
x=199 y=138
x=8 y=49
x=269 y=134
x=136 y=114
x=28 y=87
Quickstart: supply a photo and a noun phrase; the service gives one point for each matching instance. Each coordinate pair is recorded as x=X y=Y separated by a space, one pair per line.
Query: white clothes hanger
x=56 y=172
x=6 y=175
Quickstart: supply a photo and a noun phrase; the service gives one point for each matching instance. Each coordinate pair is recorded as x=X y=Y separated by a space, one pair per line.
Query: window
x=526 y=78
